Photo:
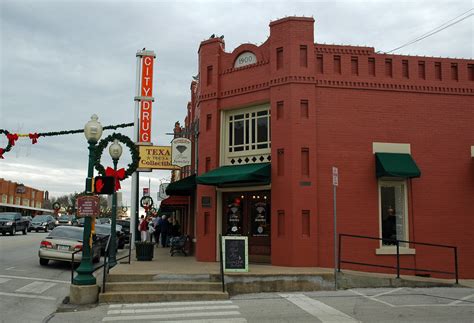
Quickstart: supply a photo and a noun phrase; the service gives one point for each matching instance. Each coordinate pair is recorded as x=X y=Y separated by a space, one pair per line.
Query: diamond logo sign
x=181 y=152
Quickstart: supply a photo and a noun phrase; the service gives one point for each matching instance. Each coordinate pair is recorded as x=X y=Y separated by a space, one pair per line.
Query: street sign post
x=335 y=183
x=88 y=206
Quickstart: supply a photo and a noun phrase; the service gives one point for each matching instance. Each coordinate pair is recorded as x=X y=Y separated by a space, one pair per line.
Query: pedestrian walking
x=164 y=231
x=143 y=228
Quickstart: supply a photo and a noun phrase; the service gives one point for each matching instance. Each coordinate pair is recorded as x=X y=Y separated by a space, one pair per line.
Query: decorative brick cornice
x=334 y=49
x=338 y=84
x=234 y=69
x=395 y=87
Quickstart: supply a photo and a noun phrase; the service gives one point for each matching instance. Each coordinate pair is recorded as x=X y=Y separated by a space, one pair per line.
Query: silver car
x=61 y=243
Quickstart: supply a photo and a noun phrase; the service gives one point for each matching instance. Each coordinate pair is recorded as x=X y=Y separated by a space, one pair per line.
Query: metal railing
x=397 y=242
x=77 y=251
x=105 y=264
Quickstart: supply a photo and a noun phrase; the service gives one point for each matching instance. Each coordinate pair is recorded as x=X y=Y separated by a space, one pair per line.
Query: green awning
x=396 y=165
x=238 y=174
x=183 y=187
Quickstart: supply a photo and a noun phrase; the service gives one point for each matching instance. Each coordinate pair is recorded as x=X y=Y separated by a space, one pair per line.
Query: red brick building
x=269 y=122
x=16 y=197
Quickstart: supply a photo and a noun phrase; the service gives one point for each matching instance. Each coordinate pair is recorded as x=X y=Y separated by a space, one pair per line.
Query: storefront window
x=260 y=216
x=234 y=216
x=393 y=212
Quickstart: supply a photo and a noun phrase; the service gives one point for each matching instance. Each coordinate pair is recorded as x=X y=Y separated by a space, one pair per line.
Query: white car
x=61 y=243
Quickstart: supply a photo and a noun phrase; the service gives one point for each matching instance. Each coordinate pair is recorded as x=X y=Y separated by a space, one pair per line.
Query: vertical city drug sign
x=146 y=98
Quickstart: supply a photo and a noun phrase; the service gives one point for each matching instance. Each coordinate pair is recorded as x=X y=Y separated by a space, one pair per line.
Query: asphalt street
x=29 y=292
x=411 y=305
x=33 y=293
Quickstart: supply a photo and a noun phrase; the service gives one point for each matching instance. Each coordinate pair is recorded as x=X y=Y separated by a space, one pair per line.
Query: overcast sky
x=62 y=61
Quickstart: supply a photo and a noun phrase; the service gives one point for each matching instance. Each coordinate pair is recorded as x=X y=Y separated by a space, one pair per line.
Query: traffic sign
x=88 y=205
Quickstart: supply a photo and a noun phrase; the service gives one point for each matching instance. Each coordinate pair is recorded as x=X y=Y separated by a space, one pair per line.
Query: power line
x=436 y=30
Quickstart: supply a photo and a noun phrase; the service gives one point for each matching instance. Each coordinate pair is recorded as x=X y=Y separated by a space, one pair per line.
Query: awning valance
x=396 y=165
x=175 y=200
x=237 y=174
x=183 y=187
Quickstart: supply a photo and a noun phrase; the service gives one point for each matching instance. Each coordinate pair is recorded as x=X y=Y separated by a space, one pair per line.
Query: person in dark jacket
x=165 y=227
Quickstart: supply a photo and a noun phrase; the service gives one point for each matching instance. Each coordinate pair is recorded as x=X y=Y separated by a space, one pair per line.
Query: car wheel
x=44 y=262
x=4 y=233
x=46 y=229
x=24 y=231
x=36 y=230
x=13 y=231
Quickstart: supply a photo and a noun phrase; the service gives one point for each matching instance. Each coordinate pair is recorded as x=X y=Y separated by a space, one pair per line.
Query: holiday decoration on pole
x=120 y=174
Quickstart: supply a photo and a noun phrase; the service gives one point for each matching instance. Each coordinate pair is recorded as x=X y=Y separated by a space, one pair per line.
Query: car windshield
x=67 y=233
x=40 y=218
x=7 y=216
x=65 y=218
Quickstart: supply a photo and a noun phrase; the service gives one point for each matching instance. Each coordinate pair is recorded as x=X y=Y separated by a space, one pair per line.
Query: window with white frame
x=393 y=211
x=17 y=200
x=4 y=198
x=10 y=199
x=249 y=130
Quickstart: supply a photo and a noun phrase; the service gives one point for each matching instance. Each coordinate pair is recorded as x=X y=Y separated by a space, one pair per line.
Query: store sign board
x=88 y=206
x=335 y=176
x=235 y=253
x=181 y=152
x=155 y=157
x=145 y=105
x=161 y=195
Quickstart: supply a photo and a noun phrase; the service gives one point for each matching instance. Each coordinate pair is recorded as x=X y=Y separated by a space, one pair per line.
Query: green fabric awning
x=396 y=165
x=238 y=174
x=183 y=187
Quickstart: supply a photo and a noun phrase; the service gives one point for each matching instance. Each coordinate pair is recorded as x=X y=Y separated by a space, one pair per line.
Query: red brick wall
x=347 y=112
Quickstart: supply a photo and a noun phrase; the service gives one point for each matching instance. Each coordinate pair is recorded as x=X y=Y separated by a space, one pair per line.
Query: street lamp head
x=93 y=129
x=115 y=150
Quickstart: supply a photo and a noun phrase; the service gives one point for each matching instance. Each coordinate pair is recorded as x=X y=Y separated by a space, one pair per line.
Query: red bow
x=12 y=138
x=119 y=174
x=34 y=137
x=1 y=153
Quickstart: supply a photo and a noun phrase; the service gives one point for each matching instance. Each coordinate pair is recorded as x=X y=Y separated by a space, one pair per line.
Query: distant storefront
x=268 y=123
x=16 y=197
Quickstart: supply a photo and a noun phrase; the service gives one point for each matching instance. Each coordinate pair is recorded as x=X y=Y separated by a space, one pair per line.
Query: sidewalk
x=266 y=278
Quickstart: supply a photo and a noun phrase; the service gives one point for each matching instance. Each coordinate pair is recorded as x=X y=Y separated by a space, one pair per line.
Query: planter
x=144 y=250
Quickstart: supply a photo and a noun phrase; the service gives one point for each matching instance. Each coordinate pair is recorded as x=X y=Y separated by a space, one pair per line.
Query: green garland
x=9 y=145
x=132 y=167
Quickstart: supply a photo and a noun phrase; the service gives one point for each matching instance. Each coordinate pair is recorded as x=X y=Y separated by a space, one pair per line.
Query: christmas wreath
x=11 y=142
x=132 y=167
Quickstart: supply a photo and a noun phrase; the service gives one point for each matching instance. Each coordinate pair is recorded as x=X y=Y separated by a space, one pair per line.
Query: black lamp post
x=93 y=132
x=115 y=151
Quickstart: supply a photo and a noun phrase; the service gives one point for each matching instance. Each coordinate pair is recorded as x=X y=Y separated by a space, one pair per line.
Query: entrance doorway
x=248 y=214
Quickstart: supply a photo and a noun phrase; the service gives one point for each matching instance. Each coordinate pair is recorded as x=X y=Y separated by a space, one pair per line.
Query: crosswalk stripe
x=3 y=280
x=38 y=279
x=167 y=304
x=29 y=296
x=173 y=309
x=226 y=320
x=167 y=316
x=35 y=287
x=325 y=313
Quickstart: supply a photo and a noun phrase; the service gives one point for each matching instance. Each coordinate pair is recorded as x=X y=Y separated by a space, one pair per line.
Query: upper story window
x=249 y=130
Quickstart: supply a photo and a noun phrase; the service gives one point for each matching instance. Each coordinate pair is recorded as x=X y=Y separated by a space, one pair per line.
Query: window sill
x=393 y=251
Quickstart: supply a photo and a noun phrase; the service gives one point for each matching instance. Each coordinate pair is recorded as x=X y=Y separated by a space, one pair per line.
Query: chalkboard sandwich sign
x=235 y=254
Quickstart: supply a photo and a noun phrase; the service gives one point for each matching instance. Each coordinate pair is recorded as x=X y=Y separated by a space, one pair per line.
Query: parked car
x=66 y=220
x=61 y=243
x=103 y=220
x=12 y=222
x=44 y=222
x=102 y=230
x=28 y=219
x=125 y=229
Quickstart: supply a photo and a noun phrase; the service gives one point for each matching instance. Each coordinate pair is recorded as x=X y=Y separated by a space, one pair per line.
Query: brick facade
x=10 y=193
x=330 y=104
